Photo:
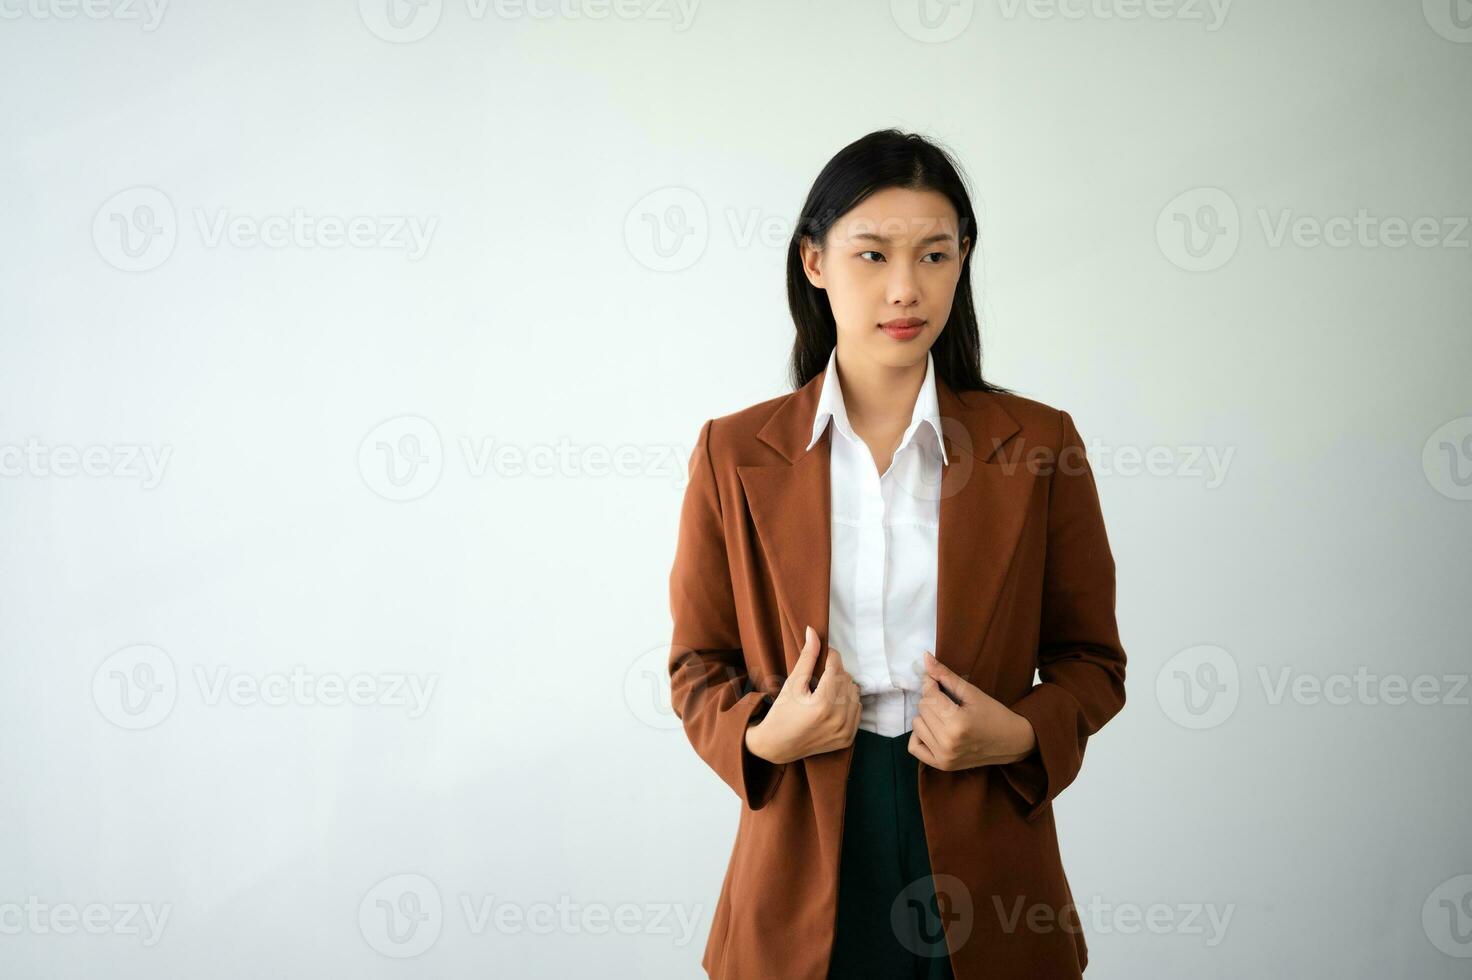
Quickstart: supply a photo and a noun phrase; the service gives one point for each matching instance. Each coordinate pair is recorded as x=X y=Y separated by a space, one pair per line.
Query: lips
x=905 y=328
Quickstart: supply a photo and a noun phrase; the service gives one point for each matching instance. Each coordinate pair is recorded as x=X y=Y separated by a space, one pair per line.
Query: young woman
x=869 y=572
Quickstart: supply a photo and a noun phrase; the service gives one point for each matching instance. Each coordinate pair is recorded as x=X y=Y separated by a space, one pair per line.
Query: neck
x=876 y=394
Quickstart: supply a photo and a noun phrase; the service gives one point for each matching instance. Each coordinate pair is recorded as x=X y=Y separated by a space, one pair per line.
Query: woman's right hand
x=803 y=722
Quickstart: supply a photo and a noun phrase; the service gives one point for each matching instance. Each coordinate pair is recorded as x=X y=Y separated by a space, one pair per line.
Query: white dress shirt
x=885 y=551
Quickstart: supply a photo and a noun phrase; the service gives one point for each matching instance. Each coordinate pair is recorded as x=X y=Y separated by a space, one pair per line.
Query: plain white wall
x=389 y=461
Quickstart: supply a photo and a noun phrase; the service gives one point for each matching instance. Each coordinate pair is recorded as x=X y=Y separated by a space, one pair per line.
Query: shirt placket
x=869 y=604
x=890 y=713
x=907 y=481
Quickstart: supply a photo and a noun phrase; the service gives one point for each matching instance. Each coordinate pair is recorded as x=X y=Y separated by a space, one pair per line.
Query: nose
x=903 y=290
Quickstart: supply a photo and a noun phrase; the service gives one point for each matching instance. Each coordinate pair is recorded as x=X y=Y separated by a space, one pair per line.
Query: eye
x=942 y=256
x=870 y=252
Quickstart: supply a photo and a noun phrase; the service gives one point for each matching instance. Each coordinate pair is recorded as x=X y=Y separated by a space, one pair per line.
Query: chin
x=891 y=354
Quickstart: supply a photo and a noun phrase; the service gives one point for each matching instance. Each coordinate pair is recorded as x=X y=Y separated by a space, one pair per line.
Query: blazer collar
x=972 y=421
x=831 y=406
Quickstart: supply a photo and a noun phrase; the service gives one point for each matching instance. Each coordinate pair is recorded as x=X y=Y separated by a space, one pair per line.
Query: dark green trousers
x=888 y=925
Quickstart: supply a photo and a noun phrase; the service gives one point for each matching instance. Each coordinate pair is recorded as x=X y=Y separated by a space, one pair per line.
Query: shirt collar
x=830 y=406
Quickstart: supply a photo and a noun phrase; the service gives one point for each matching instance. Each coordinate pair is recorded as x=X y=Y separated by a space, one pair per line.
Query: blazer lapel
x=983 y=506
x=790 y=505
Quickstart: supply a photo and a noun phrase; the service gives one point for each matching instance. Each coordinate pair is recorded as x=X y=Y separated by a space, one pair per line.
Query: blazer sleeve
x=1080 y=662
x=709 y=686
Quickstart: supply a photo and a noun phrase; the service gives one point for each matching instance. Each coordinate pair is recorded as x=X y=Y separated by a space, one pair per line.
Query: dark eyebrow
x=869 y=236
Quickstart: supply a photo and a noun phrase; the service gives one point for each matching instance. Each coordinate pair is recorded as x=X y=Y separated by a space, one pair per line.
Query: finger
x=933 y=719
x=918 y=730
x=807 y=657
x=934 y=700
x=930 y=692
x=934 y=742
x=841 y=689
x=953 y=683
x=919 y=751
x=833 y=672
x=919 y=745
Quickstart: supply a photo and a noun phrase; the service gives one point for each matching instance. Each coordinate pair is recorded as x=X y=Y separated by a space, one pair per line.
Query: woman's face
x=892 y=261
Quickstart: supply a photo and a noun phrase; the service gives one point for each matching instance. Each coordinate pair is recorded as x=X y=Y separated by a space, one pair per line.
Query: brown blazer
x=1026 y=580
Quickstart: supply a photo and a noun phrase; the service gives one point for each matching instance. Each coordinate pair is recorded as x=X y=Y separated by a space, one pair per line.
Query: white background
x=325 y=502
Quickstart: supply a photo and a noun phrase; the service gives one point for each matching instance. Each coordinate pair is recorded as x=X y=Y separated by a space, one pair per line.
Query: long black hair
x=884 y=158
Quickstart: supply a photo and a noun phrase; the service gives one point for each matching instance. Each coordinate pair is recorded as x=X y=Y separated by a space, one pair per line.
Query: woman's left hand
x=969 y=727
